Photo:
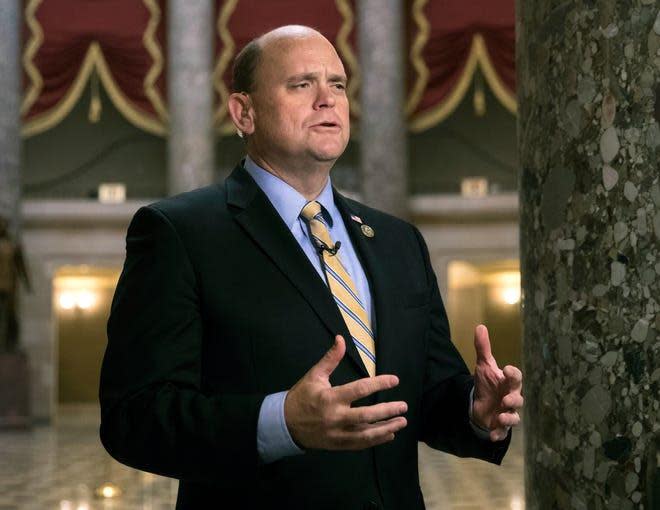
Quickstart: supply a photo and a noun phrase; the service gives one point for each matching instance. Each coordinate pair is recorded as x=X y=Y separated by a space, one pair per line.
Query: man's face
x=300 y=103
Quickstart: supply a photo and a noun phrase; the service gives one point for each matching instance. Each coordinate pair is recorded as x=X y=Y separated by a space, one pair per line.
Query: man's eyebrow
x=314 y=76
x=337 y=77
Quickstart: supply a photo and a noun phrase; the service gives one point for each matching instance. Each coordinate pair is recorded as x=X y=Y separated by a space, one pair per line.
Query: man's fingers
x=512 y=401
x=374 y=413
x=498 y=434
x=364 y=387
x=513 y=377
x=510 y=419
x=331 y=358
x=367 y=435
x=390 y=425
x=482 y=343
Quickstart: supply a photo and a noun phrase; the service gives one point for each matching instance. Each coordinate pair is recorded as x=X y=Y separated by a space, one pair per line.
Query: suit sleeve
x=445 y=419
x=154 y=414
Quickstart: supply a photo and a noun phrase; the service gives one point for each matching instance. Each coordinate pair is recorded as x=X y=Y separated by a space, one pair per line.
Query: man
x=274 y=344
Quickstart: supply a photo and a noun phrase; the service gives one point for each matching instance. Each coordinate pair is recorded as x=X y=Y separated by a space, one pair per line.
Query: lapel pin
x=367 y=230
x=356 y=218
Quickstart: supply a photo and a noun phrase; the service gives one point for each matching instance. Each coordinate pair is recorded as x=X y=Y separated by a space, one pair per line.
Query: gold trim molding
x=422 y=37
x=223 y=125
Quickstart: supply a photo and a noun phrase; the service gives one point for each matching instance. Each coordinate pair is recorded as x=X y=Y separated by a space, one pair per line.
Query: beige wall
x=81 y=333
x=475 y=296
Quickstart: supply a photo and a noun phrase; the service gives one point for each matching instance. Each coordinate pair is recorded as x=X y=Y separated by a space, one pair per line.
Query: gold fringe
x=93 y=61
x=31 y=49
x=54 y=116
x=345 y=9
x=156 y=52
x=503 y=94
x=94 y=114
x=479 y=97
x=422 y=37
x=132 y=114
x=478 y=56
x=229 y=48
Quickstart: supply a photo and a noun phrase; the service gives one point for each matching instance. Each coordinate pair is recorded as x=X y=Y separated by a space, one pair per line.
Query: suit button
x=371 y=505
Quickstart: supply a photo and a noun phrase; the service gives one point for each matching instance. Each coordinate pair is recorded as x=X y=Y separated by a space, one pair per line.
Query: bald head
x=248 y=59
x=289 y=102
x=287 y=32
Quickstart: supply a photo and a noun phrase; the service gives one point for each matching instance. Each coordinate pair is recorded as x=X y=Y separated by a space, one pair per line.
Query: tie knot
x=311 y=210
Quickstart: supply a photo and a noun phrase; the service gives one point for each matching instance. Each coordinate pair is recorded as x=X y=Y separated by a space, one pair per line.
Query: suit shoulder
x=191 y=203
x=194 y=212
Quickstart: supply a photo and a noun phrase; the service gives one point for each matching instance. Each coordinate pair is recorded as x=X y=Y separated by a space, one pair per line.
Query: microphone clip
x=332 y=251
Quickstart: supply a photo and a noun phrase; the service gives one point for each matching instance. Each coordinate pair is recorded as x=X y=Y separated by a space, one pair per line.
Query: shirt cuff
x=273 y=438
x=480 y=432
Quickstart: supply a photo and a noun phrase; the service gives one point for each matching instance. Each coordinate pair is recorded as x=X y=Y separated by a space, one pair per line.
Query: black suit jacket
x=218 y=306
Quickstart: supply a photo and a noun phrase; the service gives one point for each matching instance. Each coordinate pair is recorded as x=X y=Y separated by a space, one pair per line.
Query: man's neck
x=308 y=181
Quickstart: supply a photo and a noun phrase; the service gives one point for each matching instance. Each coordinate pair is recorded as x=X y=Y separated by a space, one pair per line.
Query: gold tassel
x=95 y=106
x=479 y=99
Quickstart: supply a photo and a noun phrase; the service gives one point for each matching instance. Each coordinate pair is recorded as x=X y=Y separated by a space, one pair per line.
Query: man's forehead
x=299 y=55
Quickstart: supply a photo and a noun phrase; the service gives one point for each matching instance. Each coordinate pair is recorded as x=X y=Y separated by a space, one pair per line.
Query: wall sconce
x=504 y=287
x=81 y=299
x=107 y=490
x=511 y=295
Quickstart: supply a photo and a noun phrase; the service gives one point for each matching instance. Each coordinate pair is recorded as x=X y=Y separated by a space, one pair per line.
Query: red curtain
x=71 y=44
x=457 y=39
x=120 y=45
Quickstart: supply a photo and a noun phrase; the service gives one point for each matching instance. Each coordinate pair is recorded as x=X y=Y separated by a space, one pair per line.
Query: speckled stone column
x=383 y=156
x=10 y=143
x=190 y=98
x=588 y=75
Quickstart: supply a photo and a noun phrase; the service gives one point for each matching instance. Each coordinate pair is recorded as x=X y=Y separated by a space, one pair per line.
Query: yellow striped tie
x=342 y=287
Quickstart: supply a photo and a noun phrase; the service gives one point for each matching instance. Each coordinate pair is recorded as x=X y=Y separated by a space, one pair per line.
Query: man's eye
x=340 y=86
x=302 y=85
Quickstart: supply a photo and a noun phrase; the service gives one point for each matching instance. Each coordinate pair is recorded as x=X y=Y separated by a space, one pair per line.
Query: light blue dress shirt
x=273 y=438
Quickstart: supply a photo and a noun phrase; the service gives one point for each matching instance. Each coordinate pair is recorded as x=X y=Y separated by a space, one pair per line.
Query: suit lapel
x=371 y=251
x=261 y=221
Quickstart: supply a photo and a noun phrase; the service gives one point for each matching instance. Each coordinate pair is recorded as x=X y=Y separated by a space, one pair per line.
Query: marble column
x=383 y=144
x=589 y=145
x=190 y=94
x=10 y=97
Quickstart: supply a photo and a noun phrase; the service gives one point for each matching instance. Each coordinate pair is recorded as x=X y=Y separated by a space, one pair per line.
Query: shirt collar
x=288 y=202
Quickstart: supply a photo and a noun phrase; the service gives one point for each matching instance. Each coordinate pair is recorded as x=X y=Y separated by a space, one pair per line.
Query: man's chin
x=327 y=154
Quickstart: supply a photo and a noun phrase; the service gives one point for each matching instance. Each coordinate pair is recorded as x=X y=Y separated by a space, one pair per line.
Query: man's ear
x=241 y=112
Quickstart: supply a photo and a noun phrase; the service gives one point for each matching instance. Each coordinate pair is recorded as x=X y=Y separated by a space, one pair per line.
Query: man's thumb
x=332 y=357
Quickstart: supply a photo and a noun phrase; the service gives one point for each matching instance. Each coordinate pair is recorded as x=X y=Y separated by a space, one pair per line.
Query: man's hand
x=497 y=397
x=320 y=416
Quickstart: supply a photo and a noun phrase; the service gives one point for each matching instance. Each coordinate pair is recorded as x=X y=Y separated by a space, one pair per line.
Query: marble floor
x=61 y=467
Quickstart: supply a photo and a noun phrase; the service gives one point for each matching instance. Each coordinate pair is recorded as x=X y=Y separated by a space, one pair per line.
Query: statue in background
x=12 y=267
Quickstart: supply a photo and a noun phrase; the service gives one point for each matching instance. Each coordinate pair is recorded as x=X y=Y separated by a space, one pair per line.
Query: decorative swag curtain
x=121 y=45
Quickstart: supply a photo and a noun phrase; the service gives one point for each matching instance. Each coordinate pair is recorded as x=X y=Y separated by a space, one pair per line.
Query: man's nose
x=324 y=98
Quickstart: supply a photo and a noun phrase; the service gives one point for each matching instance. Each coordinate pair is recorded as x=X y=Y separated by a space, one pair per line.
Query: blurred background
x=122 y=102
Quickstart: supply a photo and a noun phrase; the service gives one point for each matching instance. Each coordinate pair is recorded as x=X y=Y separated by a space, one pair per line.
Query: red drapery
x=120 y=45
x=70 y=44
x=449 y=41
